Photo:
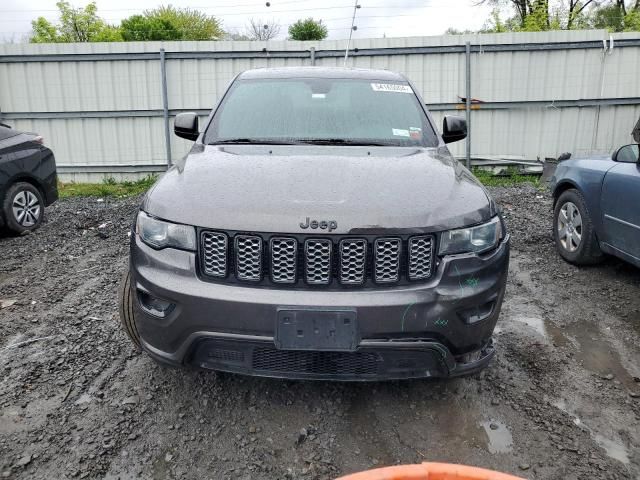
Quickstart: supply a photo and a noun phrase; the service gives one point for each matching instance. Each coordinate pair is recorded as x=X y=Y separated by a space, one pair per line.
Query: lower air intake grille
x=318 y=363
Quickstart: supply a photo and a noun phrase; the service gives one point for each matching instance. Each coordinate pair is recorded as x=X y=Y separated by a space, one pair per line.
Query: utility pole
x=353 y=27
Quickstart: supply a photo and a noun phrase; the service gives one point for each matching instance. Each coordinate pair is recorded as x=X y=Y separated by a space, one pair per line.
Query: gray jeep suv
x=319 y=228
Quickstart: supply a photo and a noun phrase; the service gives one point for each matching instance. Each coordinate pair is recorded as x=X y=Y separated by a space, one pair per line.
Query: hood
x=361 y=189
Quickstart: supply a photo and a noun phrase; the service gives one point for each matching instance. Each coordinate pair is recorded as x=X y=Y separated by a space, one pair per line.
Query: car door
x=620 y=202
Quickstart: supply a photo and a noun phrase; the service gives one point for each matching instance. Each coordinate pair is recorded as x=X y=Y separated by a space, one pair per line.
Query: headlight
x=159 y=234
x=473 y=239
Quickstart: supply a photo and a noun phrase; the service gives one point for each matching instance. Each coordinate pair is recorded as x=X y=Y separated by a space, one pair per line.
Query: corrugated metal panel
x=540 y=133
x=112 y=85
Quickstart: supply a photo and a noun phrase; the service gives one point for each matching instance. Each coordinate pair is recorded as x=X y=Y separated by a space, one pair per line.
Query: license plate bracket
x=316 y=329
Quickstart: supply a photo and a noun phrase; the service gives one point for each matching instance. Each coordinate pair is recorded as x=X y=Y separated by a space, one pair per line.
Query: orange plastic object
x=430 y=471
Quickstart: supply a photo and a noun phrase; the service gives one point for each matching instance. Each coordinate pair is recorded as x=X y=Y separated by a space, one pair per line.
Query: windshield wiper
x=344 y=141
x=252 y=141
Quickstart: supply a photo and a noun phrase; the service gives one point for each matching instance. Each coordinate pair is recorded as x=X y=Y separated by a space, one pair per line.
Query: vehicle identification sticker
x=399 y=132
x=391 y=87
x=415 y=133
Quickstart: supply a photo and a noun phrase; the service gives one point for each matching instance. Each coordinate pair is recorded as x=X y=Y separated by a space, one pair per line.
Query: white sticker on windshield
x=318 y=95
x=399 y=132
x=391 y=87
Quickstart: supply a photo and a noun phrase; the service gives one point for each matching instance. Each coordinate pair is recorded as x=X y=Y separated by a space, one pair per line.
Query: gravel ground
x=77 y=401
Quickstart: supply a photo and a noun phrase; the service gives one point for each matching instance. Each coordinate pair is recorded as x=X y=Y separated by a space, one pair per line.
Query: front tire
x=127 y=314
x=23 y=207
x=573 y=231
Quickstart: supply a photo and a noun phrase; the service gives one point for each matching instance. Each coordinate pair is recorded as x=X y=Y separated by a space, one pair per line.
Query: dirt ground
x=561 y=400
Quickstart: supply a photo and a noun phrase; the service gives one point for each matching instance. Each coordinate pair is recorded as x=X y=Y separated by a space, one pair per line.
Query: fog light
x=154 y=305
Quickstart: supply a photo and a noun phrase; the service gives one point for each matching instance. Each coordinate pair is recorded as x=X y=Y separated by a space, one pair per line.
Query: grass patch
x=108 y=188
x=512 y=177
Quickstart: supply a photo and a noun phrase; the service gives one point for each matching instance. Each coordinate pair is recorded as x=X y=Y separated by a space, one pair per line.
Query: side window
x=628 y=154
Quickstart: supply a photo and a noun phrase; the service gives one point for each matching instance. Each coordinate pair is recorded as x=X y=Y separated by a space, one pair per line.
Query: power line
x=387 y=5
x=330 y=19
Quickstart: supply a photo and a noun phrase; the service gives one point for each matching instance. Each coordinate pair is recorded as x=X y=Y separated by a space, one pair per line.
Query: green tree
x=632 y=21
x=609 y=17
x=190 y=24
x=308 y=29
x=43 y=31
x=76 y=25
x=138 y=28
x=537 y=15
x=495 y=24
x=110 y=33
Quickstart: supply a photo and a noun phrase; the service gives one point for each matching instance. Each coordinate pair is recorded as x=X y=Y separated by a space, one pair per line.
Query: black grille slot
x=420 y=253
x=318 y=261
x=214 y=254
x=249 y=257
x=353 y=261
x=314 y=362
x=387 y=260
x=299 y=261
x=284 y=256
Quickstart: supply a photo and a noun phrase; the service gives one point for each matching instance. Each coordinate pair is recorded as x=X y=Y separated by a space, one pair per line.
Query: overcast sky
x=393 y=18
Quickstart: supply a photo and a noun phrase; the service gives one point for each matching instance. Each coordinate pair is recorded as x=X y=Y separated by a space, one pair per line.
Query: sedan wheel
x=573 y=231
x=26 y=208
x=570 y=227
x=22 y=207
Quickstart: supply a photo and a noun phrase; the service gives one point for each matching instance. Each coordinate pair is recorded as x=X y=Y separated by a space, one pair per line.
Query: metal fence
x=105 y=109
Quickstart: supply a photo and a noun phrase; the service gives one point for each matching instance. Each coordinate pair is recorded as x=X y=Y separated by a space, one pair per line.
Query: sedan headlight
x=160 y=234
x=473 y=239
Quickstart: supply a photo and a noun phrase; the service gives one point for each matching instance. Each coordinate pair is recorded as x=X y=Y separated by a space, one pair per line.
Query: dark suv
x=318 y=228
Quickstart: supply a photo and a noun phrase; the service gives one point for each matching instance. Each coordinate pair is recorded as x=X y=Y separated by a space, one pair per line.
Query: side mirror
x=453 y=129
x=627 y=154
x=186 y=126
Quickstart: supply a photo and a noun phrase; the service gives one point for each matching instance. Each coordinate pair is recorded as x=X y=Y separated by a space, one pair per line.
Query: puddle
x=613 y=449
x=84 y=398
x=500 y=440
x=534 y=323
x=597 y=355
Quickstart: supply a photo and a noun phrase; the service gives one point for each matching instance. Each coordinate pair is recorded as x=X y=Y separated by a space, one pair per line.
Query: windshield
x=322 y=111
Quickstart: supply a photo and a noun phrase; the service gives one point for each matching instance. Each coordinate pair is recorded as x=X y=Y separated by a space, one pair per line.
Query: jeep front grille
x=420 y=258
x=284 y=259
x=214 y=254
x=296 y=261
x=387 y=261
x=353 y=261
x=318 y=261
x=248 y=257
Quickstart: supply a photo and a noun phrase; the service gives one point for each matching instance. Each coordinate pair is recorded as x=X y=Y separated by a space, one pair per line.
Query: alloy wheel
x=26 y=208
x=570 y=227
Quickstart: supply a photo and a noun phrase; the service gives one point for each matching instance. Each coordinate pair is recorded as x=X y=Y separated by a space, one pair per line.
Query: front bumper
x=440 y=328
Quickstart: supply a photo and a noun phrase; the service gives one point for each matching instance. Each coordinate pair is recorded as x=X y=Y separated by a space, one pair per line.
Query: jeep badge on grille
x=329 y=225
